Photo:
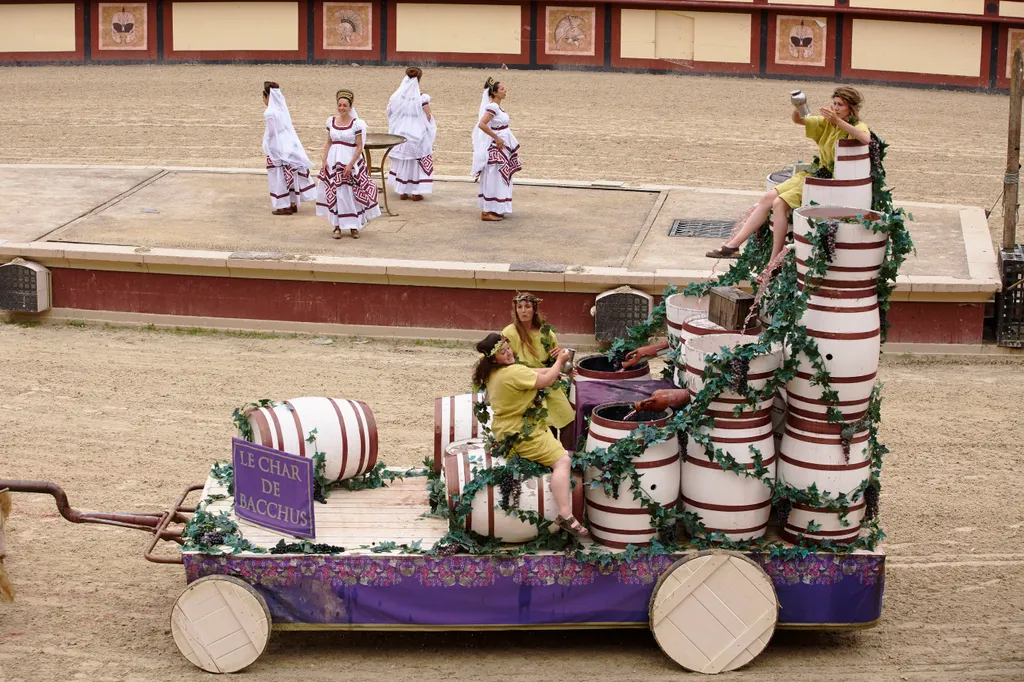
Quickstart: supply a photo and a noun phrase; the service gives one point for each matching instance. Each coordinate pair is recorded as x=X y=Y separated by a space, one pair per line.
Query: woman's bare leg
x=755 y=220
x=560 y=485
x=780 y=225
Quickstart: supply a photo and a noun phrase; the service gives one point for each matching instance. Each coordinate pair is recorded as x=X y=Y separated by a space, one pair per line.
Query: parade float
x=750 y=508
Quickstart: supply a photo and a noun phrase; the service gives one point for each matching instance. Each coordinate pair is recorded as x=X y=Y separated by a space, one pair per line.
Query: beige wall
x=909 y=47
x=952 y=6
x=1011 y=9
x=233 y=26
x=698 y=36
x=37 y=28
x=470 y=29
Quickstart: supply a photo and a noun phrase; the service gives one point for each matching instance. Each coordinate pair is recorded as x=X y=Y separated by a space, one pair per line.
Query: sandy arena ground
x=947 y=147
x=117 y=420
x=125 y=419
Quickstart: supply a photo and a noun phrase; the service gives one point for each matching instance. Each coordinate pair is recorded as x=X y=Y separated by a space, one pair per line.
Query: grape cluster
x=739 y=368
x=823 y=172
x=875 y=150
x=683 y=439
x=883 y=319
x=617 y=361
x=302 y=548
x=212 y=538
x=449 y=549
x=511 y=490
x=871 y=502
x=845 y=436
x=782 y=509
x=829 y=243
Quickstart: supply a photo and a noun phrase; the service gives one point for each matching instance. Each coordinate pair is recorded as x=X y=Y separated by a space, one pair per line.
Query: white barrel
x=696 y=325
x=464 y=459
x=776 y=178
x=735 y=505
x=679 y=307
x=599 y=368
x=455 y=420
x=853 y=160
x=760 y=370
x=859 y=251
x=617 y=522
x=812 y=453
x=848 y=335
x=346 y=432
x=831 y=192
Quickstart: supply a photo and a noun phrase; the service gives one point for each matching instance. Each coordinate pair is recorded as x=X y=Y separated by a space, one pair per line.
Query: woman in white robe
x=287 y=163
x=412 y=162
x=495 y=154
x=345 y=192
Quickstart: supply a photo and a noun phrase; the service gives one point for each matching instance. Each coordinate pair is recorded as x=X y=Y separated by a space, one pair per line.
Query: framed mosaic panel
x=347 y=26
x=123 y=26
x=570 y=31
x=801 y=41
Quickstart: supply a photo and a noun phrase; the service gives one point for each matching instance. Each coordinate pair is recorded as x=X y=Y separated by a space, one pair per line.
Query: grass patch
x=76 y=323
x=439 y=343
x=24 y=324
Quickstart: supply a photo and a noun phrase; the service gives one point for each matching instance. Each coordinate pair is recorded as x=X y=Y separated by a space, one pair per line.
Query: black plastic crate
x=1010 y=303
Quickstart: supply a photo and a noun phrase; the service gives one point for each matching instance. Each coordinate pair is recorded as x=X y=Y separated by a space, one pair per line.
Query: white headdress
x=280 y=141
x=481 y=140
x=407 y=118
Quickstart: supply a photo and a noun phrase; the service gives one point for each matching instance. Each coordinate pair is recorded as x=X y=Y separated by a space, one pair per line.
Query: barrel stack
x=842 y=317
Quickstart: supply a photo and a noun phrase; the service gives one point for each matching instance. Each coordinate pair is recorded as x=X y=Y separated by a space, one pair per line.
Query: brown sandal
x=489 y=217
x=571 y=525
x=337 y=233
x=295 y=208
x=417 y=197
x=403 y=197
x=723 y=252
x=283 y=211
x=354 y=232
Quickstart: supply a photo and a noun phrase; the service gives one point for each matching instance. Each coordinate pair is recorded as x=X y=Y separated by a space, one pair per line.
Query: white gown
x=287 y=163
x=412 y=168
x=495 y=194
x=348 y=203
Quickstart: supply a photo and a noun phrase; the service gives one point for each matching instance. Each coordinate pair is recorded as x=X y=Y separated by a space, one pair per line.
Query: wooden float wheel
x=220 y=624
x=714 y=611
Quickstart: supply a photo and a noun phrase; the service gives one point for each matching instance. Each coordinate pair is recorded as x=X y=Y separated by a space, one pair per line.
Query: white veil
x=280 y=141
x=407 y=118
x=481 y=140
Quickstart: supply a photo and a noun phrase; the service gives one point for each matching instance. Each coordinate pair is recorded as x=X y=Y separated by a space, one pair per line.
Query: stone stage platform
x=199 y=247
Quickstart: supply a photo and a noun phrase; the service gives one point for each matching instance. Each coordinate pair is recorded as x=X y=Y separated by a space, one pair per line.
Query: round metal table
x=387 y=142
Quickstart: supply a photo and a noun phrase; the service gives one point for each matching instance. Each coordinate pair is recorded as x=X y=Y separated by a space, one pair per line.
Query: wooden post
x=1011 y=189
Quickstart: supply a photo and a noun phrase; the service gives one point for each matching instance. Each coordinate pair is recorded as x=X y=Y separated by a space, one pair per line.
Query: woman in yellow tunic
x=527 y=340
x=511 y=389
x=840 y=121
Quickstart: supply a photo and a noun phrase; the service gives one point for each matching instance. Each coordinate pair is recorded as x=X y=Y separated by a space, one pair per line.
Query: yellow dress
x=826 y=135
x=559 y=411
x=511 y=391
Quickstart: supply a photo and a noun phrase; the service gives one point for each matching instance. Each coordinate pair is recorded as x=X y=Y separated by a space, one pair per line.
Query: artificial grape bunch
x=871 y=502
x=683 y=440
x=738 y=368
x=449 y=549
x=823 y=172
x=617 y=360
x=845 y=436
x=883 y=319
x=875 y=151
x=511 y=490
x=212 y=538
x=831 y=229
x=782 y=509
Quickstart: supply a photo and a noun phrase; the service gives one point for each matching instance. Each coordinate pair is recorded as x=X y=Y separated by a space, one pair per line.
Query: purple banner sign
x=273 y=489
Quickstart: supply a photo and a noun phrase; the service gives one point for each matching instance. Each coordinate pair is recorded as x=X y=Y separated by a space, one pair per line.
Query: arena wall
x=946 y=43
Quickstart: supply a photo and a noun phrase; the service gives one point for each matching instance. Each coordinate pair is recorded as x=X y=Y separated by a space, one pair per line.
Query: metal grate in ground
x=704 y=229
